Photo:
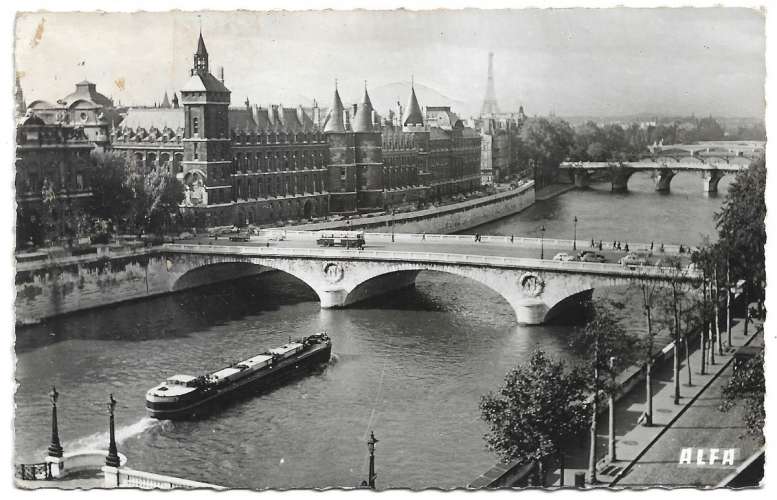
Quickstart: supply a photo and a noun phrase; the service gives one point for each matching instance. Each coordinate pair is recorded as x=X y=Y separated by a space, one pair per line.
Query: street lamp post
x=371 y=447
x=55 y=448
x=112 y=460
x=611 y=433
x=542 y=242
x=574 y=240
x=392 y=225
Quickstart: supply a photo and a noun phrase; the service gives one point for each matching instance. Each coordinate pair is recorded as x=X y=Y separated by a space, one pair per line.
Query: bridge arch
x=536 y=294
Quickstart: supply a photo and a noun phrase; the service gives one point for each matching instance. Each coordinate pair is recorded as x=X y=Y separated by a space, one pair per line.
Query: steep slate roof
x=363 y=120
x=240 y=119
x=443 y=117
x=413 y=115
x=262 y=118
x=154 y=118
x=204 y=82
x=334 y=120
x=201 y=50
x=438 y=134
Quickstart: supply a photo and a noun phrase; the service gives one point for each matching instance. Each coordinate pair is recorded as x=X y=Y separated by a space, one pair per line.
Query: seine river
x=411 y=367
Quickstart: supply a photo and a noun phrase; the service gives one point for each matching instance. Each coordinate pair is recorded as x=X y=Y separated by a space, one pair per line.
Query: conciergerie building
x=263 y=164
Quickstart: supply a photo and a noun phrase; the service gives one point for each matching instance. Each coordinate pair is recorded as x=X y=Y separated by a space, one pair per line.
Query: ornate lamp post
x=112 y=460
x=574 y=240
x=542 y=242
x=55 y=448
x=371 y=447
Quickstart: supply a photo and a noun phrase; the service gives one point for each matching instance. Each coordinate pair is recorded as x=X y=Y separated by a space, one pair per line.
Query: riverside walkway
x=649 y=456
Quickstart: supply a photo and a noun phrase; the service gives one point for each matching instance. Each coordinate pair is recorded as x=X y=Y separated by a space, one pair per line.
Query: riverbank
x=552 y=191
x=444 y=219
x=635 y=441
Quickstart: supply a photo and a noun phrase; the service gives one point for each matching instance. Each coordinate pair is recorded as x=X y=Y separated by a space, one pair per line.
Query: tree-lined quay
x=686 y=313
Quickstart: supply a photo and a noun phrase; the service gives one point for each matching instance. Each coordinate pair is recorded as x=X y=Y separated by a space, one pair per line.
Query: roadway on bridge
x=505 y=249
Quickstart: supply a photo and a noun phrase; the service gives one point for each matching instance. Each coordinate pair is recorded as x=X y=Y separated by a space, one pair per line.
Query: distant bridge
x=711 y=160
x=538 y=290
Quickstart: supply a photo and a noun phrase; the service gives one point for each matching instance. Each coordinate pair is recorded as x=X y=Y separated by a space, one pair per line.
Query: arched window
x=195 y=126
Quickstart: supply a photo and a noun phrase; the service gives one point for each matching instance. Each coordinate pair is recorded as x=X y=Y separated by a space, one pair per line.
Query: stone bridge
x=538 y=290
x=711 y=160
x=665 y=169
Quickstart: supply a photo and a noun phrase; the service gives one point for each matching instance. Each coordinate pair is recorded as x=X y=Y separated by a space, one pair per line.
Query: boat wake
x=99 y=440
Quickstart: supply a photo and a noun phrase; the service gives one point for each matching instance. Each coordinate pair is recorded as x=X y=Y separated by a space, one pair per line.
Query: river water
x=412 y=367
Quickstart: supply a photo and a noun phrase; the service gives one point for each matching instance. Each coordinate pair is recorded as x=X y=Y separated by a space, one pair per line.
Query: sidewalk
x=632 y=440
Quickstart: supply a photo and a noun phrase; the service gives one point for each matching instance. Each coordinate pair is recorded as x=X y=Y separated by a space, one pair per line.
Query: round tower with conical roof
x=369 y=156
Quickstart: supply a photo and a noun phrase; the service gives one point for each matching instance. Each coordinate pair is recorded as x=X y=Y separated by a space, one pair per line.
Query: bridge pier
x=619 y=176
x=710 y=180
x=663 y=179
x=530 y=312
x=332 y=298
x=582 y=178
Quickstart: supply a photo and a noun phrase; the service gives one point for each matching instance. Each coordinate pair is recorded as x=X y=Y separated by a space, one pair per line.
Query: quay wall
x=61 y=286
x=445 y=219
x=53 y=286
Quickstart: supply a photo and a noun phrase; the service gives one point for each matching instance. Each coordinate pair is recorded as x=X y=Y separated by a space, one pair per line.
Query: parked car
x=633 y=259
x=565 y=257
x=588 y=256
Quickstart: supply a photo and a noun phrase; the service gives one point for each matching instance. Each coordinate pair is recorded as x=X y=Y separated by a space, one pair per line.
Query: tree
x=648 y=292
x=547 y=143
x=164 y=194
x=607 y=349
x=742 y=231
x=112 y=194
x=539 y=408
x=672 y=307
x=748 y=383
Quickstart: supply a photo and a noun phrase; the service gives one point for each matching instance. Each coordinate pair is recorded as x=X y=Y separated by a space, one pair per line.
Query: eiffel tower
x=489 y=102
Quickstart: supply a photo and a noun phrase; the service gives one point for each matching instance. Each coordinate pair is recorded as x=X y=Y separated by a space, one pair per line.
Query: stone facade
x=253 y=164
x=53 y=173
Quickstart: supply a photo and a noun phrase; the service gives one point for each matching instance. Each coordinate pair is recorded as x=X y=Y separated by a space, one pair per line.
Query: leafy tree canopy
x=539 y=407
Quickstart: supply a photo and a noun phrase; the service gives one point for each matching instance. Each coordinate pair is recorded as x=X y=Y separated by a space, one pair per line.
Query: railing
x=442 y=258
x=34 y=472
x=657 y=164
x=468 y=239
x=129 y=478
x=44 y=260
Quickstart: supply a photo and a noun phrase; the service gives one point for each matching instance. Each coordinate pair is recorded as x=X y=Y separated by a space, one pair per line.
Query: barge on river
x=182 y=396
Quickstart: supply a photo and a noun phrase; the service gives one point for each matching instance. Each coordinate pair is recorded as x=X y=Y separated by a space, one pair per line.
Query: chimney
x=221 y=73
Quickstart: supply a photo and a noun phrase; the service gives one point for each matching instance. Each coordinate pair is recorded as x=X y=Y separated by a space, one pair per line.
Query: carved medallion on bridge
x=531 y=284
x=333 y=272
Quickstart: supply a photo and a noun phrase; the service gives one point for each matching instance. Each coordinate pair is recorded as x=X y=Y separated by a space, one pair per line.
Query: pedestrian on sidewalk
x=600 y=245
x=626 y=248
x=651 y=246
x=512 y=238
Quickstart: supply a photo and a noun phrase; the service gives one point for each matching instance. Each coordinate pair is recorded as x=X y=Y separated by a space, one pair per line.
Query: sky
x=572 y=62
